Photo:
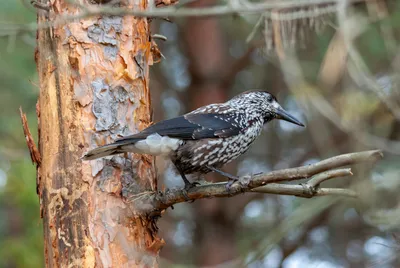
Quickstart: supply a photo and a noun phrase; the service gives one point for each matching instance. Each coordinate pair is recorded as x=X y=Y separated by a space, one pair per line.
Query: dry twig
x=34 y=152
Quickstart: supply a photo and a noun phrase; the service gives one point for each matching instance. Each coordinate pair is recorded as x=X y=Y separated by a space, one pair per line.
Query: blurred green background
x=21 y=235
x=208 y=60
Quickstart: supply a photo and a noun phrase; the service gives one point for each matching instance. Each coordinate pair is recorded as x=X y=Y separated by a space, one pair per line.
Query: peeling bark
x=94 y=77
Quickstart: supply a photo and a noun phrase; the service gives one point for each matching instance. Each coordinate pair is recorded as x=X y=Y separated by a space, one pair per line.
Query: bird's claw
x=185 y=190
x=191 y=185
x=229 y=184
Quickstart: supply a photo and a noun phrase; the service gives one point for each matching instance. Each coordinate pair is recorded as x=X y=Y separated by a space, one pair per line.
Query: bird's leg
x=232 y=178
x=188 y=185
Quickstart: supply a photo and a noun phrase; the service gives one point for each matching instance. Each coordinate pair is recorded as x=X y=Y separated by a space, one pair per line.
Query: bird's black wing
x=193 y=126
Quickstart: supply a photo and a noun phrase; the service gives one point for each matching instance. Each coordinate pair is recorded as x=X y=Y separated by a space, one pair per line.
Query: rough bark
x=93 y=88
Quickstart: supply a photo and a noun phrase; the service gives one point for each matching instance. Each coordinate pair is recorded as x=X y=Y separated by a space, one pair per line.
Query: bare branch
x=255 y=29
x=154 y=203
x=310 y=189
x=303 y=190
x=220 y=10
x=319 y=178
x=178 y=11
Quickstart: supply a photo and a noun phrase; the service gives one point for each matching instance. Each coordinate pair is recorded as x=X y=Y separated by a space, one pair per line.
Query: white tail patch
x=156 y=145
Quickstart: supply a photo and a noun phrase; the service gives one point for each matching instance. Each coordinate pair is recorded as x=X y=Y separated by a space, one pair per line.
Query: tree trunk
x=93 y=88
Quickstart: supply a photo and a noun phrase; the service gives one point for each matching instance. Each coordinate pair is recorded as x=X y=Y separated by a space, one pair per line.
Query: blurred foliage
x=21 y=235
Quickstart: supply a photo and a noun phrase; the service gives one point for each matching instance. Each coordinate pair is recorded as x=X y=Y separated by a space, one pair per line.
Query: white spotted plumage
x=216 y=152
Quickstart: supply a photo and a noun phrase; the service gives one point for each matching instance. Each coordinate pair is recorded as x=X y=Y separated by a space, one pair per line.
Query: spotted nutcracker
x=205 y=139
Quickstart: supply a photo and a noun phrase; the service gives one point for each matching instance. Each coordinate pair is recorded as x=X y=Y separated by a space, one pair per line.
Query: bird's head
x=264 y=104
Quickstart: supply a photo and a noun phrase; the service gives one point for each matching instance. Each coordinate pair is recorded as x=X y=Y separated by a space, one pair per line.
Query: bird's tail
x=153 y=144
x=118 y=147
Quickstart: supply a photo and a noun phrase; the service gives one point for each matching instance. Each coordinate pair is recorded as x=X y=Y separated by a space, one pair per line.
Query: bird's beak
x=283 y=115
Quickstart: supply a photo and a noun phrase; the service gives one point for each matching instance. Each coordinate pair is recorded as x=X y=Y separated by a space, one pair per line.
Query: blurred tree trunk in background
x=204 y=41
x=93 y=88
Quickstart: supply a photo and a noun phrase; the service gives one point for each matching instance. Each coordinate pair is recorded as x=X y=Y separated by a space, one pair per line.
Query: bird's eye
x=269 y=99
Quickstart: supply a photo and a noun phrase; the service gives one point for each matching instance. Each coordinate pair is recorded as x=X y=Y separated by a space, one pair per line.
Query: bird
x=205 y=139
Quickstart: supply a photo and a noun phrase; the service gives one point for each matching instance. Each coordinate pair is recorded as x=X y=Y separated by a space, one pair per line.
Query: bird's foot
x=188 y=186
x=232 y=178
x=191 y=185
x=230 y=182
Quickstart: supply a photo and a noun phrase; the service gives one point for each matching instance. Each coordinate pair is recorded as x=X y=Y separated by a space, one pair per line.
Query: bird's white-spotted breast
x=194 y=156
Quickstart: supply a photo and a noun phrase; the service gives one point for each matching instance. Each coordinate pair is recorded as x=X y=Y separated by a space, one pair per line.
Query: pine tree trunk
x=94 y=87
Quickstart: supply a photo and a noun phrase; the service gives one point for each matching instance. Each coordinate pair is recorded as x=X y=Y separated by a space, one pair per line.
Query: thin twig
x=255 y=29
x=319 y=178
x=33 y=150
x=301 y=190
x=159 y=36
